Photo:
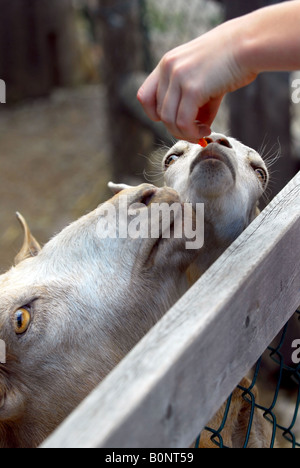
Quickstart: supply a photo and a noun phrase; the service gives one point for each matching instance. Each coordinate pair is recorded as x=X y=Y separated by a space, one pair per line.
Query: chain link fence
x=278 y=400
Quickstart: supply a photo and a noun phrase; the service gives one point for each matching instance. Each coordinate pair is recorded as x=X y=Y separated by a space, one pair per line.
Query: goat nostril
x=224 y=142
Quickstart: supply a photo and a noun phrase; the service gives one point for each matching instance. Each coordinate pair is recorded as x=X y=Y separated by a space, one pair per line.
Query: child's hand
x=186 y=89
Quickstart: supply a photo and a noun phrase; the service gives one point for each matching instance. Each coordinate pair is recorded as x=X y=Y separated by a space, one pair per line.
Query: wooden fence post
x=37 y=46
x=122 y=41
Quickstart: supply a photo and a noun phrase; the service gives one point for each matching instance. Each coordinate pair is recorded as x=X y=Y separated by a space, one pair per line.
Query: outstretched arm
x=187 y=87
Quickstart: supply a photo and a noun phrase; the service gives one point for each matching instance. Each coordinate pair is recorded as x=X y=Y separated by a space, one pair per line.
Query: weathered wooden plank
x=174 y=380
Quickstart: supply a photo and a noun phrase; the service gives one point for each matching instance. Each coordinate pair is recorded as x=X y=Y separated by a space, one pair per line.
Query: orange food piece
x=202 y=142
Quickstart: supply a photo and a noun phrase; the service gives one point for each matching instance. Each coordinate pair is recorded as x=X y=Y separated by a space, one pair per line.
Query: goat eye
x=262 y=175
x=22 y=321
x=171 y=160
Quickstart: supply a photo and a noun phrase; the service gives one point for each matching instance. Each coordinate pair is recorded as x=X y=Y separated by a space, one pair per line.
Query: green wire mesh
x=285 y=394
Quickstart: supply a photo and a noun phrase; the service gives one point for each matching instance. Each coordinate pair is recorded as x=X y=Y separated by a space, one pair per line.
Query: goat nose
x=220 y=139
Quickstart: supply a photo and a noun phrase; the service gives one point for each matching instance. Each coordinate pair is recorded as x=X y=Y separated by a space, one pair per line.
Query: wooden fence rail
x=171 y=384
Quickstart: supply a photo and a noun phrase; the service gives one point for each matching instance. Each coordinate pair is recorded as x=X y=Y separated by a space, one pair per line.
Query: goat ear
x=30 y=247
x=117 y=188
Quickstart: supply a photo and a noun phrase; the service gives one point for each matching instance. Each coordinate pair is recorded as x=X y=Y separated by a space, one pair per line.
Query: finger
x=207 y=113
x=163 y=94
x=169 y=110
x=187 y=122
x=147 y=95
x=204 y=131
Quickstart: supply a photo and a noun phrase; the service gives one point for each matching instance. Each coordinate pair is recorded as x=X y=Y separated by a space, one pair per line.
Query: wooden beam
x=171 y=384
x=122 y=40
